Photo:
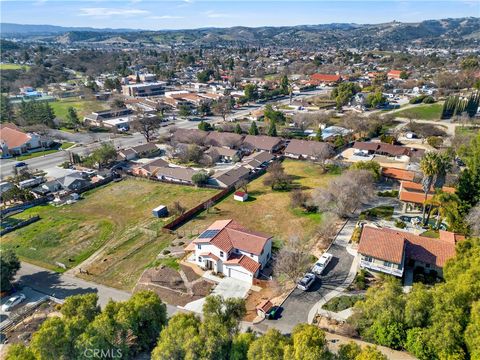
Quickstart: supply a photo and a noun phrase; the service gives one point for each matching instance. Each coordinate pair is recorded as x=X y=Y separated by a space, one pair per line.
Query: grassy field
x=66 y=145
x=467 y=130
x=422 y=111
x=83 y=107
x=115 y=218
x=36 y=154
x=13 y=67
x=269 y=211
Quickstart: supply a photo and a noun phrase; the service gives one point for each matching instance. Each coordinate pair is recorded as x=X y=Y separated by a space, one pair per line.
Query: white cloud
x=214 y=15
x=161 y=17
x=107 y=12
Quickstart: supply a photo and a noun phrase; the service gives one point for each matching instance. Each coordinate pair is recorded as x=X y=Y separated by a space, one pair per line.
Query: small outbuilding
x=264 y=308
x=160 y=211
x=240 y=196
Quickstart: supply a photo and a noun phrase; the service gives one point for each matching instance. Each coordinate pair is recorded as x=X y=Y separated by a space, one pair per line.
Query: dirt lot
x=268 y=211
x=269 y=291
x=113 y=223
x=171 y=286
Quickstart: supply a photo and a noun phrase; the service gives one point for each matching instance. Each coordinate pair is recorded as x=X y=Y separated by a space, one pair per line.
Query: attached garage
x=238 y=272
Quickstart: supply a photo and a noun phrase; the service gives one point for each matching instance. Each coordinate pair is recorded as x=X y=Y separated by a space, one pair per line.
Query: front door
x=209 y=264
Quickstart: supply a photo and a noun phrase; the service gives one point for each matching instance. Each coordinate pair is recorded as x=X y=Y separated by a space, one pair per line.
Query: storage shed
x=160 y=211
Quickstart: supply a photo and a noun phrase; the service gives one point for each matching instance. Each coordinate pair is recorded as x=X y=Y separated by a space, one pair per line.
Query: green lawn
x=66 y=145
x=36 y=154
x=467 y=130
x=83 y=107
x=422 y=112
x=13 y=67
x=115 y=218
x=269 y=211
x=381 y=212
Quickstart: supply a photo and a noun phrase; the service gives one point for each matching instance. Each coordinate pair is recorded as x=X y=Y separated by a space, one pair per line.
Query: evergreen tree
x=272 y=130
x=238 y=129
x=253 y=129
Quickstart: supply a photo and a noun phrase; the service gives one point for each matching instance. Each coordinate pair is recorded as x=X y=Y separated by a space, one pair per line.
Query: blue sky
x=183 y=14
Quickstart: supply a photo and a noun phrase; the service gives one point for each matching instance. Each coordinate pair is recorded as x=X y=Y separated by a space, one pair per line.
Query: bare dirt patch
x=269 y=290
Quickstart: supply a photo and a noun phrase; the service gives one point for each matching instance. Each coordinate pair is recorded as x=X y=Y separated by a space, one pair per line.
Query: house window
x=199 y=259
x=368 y=259
x=387 y=264
x=199 y=246
x=221 y=253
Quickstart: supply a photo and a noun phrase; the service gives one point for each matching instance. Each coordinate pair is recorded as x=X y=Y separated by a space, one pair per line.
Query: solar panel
x=208 y=234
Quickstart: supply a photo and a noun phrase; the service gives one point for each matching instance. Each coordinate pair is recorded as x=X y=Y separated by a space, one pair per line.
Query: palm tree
x=448 y=208
x=429 y=166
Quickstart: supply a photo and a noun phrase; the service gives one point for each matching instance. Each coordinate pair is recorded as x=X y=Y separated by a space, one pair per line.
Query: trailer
x=160 y=211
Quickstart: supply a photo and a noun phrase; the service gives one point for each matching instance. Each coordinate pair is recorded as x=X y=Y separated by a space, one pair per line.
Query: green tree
x=344 y=92
x=103 y=155
x=418 y=343
x=253 y=129
x=204 y=109
x=472 y=332
x=205 y=126
x=240 y=345
x=251 y=92
x=238 y=129
x=6 y=109
x=319 y=135
x=371 y=165
x=272 y=130
x=404 y=75
x=51 y=341
x=180 y=339
x=348 y=351
x=72 y=118
x=200 y=178
x=371 y=353
x=308 y=343
x=82 y=306
x=9 y=265
x=268 y=347
x=19 y=352
x=284 y=85
x=375 y=99
x=469 y=183
x=418 y=307
x=184 y=111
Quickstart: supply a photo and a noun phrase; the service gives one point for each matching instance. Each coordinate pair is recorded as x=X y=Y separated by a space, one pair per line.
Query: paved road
x=296 y=308
x=63 y=285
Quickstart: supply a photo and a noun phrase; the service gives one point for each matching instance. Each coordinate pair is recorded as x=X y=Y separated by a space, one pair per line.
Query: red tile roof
x=233 y=235
x=325 y=77
x=244 y=261
x=388 y=244
x=12 y=136
x=210 y=255
x=398 y=174
x=413 y=192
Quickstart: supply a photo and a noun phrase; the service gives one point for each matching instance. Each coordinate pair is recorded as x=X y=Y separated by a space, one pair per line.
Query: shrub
x=341 y=303
x=400 y=224
x=428 y=100
x=166 y=252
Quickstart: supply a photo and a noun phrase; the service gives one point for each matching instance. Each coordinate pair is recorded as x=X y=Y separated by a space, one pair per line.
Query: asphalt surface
x=61 y=286
x=297 y=306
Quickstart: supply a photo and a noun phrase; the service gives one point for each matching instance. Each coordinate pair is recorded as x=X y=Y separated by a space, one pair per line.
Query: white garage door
x=240 y=275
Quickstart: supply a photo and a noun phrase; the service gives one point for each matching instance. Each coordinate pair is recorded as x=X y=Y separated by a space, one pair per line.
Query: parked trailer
x=160 y=211
x=30 y=183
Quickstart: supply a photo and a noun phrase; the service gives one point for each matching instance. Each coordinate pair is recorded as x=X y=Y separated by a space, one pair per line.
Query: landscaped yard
x=115 y=218
x=83 y=107
x=422 y=111
x=13 y=67
x=341 y=303
x=36 y=154
x=379 y=212
x=269 y=211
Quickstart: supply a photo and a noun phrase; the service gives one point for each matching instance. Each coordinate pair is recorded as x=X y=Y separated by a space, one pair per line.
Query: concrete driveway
x=226 y=288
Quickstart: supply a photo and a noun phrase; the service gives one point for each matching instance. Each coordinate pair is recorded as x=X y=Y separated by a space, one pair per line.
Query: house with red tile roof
x=14 y=142
x=227 y=247
x=398 y=174
x=394 y=74
x=413 y=196
x=327 y=79
x=390 y=250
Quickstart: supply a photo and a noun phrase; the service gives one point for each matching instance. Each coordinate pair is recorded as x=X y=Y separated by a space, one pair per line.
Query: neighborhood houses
x=250 y=192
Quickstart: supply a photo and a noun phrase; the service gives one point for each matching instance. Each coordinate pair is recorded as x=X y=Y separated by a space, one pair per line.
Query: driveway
x=226 y=288
x=296 y=308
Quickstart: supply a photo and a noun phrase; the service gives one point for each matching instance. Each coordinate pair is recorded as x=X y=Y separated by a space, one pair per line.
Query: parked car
x=20 y=164
x=322 y=263
x=307 y=281
x=13 y=301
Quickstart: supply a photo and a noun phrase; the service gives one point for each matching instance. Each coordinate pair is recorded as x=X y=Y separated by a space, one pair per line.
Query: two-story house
x=227 y=247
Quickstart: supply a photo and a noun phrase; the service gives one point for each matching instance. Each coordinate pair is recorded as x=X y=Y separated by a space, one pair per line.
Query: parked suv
x=307 y=281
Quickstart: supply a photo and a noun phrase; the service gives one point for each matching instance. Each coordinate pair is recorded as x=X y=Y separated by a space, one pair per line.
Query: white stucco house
x=227 y=247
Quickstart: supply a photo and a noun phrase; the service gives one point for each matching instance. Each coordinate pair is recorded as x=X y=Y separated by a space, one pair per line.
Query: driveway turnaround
x=226 y=288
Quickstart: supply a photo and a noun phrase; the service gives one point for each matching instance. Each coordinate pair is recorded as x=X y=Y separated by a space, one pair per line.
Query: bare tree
x=473 y=220
x=327 y=229
x=223 y=107
x=345 y=193
x=322 y=154
x=292 y=259
x=276 y=177
x=242 y=184
x=208 y=205
x=177 y=208
x=146 y=125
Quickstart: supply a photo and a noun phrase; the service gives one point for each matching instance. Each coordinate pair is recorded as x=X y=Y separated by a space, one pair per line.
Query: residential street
x=63 y=285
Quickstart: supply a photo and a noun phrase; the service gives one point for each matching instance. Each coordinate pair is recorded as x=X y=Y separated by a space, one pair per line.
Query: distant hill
x=9 y=29
x=446 y=33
